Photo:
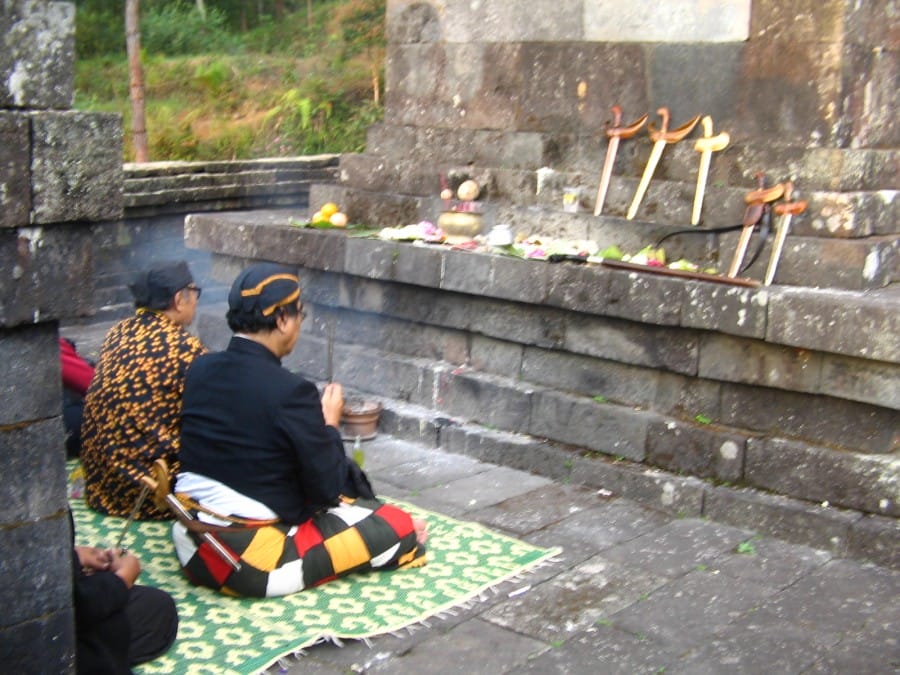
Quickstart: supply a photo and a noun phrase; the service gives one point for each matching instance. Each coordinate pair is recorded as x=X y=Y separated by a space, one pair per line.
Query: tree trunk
x=279 y=9
x=136 y=89
x=376 y=84
x=201 y=8
x=309 y=14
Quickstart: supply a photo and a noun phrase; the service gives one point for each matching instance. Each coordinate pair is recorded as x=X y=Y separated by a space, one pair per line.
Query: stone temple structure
x=60 y=171
x=796 y=382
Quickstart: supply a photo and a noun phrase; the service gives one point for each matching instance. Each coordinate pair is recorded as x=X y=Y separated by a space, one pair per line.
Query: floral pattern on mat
x=224 y=635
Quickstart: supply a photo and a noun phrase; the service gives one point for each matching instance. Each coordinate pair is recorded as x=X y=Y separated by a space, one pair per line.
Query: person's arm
x=318 y=446
x=76 y=372
x=97 y=595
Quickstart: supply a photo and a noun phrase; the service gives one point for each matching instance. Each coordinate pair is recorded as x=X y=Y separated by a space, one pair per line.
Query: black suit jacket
x=255 y=426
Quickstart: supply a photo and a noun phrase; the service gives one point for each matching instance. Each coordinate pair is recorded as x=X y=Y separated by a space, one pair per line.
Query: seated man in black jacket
x=263 y=465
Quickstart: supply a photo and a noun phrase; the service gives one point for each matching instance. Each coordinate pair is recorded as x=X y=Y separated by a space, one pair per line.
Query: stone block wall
x=60 y=171
x=806 y=91
x=790 y=393
x=158 y=195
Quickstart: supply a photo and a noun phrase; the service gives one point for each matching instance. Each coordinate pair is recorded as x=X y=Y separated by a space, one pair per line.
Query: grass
x=253 y=101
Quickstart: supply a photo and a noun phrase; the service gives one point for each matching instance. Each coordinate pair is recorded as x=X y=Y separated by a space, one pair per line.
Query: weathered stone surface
x=837 y=595
x=754 y=643
x=591 y=377
x=374 y=260
x=676 y=548
x=856 y=264
x=697 y=450
x=47 y=640
x=36 y=455
x=847 y=323
x=868 y=483
x=30 y=381
x=645 y=298
x=698 y=590
x=633 y=343
x=397 y=337
x=379 y=372
x=541 y=326
x=613 y=430
x=871 y=94
x=821 y=420
x=824 y=527
x=872 y=382
x=38 y=262
x=679 y=21
x=24 y=593
x=15 y=169
x=694 y=78
x=687 y=397
x=582 y=288
x=575 y=600
x=846 y=215
x=731 y=359
x=729 y=309
x=496 y=356
x=798 y=66
x=466 y=272
x=567 y=87
x=37 y=59
x=488 y=400
x=76 y=167
x=419 y=265
x=877 y=539
x=368 y=170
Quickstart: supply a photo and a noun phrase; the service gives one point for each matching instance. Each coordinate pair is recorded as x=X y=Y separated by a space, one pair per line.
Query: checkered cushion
x=279 y=559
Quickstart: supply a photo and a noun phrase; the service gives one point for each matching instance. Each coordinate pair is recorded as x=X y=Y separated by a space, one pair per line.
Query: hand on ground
x=421 y=528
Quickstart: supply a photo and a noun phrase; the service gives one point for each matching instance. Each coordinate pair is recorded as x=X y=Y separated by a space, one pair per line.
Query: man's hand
x=333 y=403
x=125 y=565
x=93 y=559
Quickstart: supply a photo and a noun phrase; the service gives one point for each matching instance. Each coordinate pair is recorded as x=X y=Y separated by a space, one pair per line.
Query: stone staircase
x=847 y=238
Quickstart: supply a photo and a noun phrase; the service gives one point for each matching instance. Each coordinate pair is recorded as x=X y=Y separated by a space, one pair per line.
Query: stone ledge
x=850 y=323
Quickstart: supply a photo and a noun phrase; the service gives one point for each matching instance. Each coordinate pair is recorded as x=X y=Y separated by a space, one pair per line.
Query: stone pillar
x=60 y=171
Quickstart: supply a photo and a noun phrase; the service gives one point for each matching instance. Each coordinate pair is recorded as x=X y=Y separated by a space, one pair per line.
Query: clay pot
x=360 y=418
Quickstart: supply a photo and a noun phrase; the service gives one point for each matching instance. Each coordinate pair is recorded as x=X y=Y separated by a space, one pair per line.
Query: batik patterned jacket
x=132 y=409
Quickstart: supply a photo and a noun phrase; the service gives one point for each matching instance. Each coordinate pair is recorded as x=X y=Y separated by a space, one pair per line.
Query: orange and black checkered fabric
x=280 y=559
x=132 y=410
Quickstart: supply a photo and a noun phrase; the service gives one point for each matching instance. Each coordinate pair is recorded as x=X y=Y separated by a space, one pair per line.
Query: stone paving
x=634 y=591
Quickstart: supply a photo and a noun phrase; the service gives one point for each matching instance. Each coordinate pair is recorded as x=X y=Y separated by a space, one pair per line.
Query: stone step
x=858 y=263
x=798 y=492
x=821 y=525
x=812 y=168
x=619 y=426
x=668 y=200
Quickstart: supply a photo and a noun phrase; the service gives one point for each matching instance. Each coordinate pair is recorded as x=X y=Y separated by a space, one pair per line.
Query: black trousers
x=154 y=623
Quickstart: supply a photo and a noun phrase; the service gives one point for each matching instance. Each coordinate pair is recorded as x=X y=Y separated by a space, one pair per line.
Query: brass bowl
x=460 y=225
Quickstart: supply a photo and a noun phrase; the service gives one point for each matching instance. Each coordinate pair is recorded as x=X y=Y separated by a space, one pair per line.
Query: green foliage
x=746 y=547
x=224 y=89
x=178 y=28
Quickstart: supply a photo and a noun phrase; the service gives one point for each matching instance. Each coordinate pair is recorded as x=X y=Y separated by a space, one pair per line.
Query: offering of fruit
x=468 y=191
x=329 y=209
x=338 y=219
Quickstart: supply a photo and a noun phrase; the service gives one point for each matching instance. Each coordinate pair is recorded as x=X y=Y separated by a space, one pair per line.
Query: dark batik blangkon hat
x=154 y=288
x=263 y=288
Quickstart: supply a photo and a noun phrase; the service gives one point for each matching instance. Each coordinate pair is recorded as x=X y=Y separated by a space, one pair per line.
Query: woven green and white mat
x=224 y=635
